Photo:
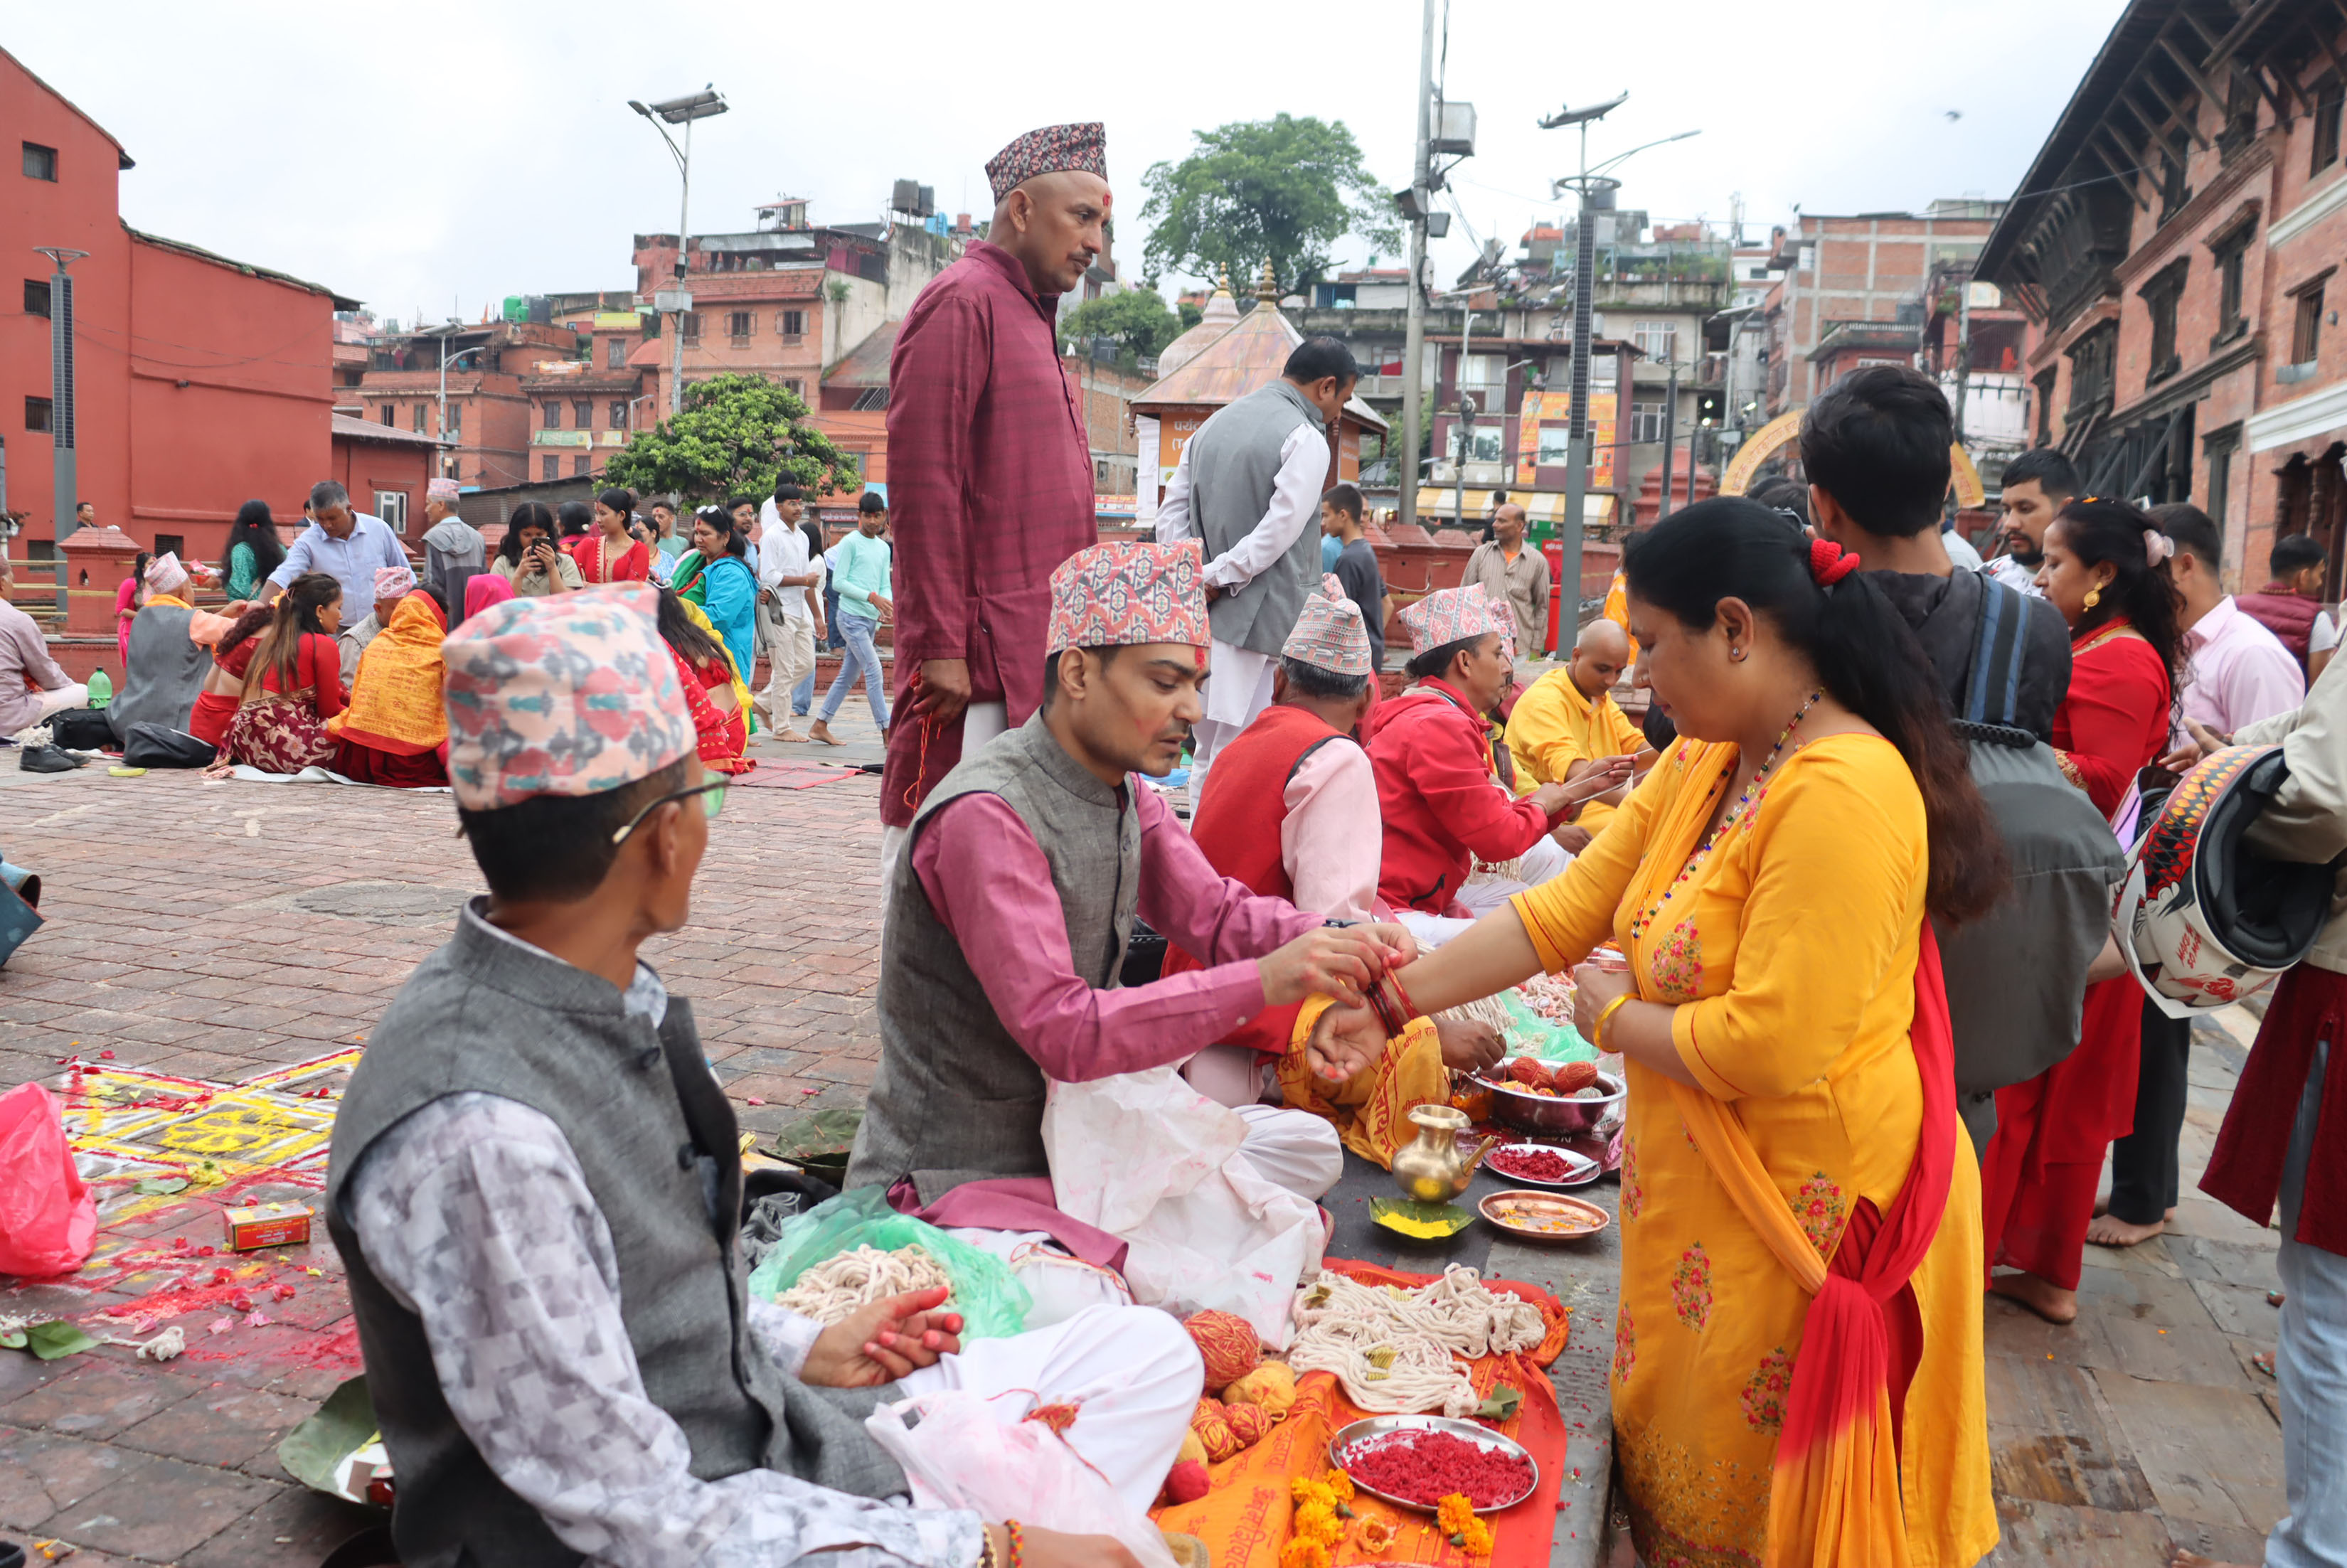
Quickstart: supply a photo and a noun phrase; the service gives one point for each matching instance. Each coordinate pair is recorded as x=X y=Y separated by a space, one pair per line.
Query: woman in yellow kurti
x=1768 y=882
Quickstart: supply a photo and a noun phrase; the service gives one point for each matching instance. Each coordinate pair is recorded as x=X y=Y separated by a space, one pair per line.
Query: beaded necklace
x=1745 y=803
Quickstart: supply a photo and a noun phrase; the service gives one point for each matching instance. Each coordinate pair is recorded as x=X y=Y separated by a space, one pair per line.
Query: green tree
x=1138 y=320
x=737 y=435
x=1284 y=189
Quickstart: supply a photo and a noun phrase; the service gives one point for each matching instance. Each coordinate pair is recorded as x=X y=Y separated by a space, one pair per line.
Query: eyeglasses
x=713 y=801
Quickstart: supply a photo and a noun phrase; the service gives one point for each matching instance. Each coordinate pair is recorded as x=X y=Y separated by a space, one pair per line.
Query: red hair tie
x=1829 y=563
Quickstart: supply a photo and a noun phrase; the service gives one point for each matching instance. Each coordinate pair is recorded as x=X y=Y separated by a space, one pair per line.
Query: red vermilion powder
x=1426 y=1467
x=1538 y=1166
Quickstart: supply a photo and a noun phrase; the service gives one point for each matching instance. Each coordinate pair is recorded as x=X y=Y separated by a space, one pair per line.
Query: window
x=737 y=326
x=41 y=162
x=1645 y=422
x=391 y=414
x=2306 y=332
x=2045 y=385
x=1481 y=371
x=37 y=296
x=1555 y=446
x=549 y=467
x=615 y=353
x=690 y=325
x=2326 y=128
x=171 y=545
x=2173 y=159
x=37 y=414
x=420 y=410
x=2217 y=457
x=1485 y=447
x=553 y=414
x=456 y=419
x=791 y=324
x=2230 y=252
x=582 y=415
x=619 y=413
x=2160 y=296
x=1655 y=340
x=797 y=388
x=391 y=505
x=578 y=468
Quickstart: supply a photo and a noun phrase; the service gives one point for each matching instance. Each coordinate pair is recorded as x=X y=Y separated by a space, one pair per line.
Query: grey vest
x=1234 y=458
x=956 y=1098
x=164 y=674
x=648 y=1127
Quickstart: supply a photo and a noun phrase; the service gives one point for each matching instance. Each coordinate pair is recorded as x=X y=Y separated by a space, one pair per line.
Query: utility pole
x=1670 y=440
x=64 y=495
x=1963 y=366
x=679 y=300
x=1466 y=426
x=1413 y=351
x=1584 y=262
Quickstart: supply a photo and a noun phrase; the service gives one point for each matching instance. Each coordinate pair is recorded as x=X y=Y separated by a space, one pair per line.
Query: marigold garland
x=1456 y=1516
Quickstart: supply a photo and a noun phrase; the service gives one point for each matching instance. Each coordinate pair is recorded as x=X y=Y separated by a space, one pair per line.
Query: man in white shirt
x=347 y=545
x=1248 y=488
x=787 y=579
x=2037 y=483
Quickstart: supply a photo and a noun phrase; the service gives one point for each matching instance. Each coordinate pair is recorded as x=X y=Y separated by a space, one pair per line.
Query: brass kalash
x=1431 y=1169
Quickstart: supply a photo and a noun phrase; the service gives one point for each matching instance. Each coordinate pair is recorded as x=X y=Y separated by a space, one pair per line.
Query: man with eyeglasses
x=537 y=1190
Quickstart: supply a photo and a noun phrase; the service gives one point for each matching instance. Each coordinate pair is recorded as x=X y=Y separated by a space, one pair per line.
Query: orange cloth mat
x=1244 y=1517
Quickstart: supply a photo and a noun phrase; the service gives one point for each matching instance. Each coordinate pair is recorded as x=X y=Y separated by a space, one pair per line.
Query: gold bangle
x=1605 y=1015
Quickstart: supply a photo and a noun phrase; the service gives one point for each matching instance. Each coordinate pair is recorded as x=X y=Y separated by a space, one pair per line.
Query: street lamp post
x=62 y=422
x=1413 y=349
x=681 y=111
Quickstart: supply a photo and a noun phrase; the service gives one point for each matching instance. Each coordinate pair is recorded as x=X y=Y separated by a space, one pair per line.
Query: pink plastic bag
x=47 y=1217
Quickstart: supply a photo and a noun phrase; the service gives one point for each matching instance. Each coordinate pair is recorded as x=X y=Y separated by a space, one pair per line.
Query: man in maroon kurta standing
x=989 y=465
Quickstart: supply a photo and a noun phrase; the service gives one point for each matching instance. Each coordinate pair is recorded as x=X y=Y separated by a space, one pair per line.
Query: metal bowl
x=1347 y=1437
x=1584 y=1170
x=1505 y=1211
x=1543 y=1113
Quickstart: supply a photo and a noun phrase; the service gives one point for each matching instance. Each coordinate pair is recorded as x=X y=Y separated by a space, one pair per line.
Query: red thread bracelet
x=1017 y=1543
x=1408 y=1007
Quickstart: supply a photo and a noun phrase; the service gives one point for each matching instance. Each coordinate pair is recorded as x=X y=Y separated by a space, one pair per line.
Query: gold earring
x=2094 y=596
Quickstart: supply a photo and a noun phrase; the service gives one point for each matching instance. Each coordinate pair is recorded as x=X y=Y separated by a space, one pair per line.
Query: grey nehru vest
x=164 y=674
x=956 y=1098
x=648 y=1124
x=1234 y=458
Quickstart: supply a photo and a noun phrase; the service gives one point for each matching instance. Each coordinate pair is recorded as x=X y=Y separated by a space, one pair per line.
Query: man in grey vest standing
x=1009 y=910
x=537 y=1190
x=1248 y=485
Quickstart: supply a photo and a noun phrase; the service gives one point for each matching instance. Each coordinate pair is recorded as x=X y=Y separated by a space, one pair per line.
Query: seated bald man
x=1568 y=719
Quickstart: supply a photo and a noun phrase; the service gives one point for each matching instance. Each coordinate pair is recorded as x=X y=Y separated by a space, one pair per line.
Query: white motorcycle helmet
x=2202 y=919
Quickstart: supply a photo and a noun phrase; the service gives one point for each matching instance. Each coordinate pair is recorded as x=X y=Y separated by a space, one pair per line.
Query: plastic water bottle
x=101 y=688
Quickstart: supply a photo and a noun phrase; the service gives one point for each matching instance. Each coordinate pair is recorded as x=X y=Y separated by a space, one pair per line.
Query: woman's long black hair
x=255 y=527
x=296 y=616
x=2096 y=532
x=529 y=514
x=679 y=631
x=1864 y=655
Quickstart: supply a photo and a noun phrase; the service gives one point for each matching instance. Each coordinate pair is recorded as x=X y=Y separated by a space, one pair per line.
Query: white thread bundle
x=1393 y=1349
x=837 y=1286
x=1482 y=1009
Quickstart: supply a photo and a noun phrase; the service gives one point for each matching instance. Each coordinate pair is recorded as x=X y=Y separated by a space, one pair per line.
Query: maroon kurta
x=989 y=488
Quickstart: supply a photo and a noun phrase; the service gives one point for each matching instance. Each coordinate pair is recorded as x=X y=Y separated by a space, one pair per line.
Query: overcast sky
x=437 y=157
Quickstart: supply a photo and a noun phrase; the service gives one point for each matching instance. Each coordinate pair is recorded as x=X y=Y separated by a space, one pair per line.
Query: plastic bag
x=48 y=1218
x=992 y=1304
x=1145 y=1157
x=962 y=1454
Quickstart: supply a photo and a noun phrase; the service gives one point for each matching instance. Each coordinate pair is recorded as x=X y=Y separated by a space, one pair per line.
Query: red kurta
x=1432 y=752
x=990 y=488
x=632 y=564
x=2039 y=1174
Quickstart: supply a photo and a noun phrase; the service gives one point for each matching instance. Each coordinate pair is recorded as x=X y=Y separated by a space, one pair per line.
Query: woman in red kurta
x=607 y=554
x=217 y=703
x=2106 y=570
x=293 y=684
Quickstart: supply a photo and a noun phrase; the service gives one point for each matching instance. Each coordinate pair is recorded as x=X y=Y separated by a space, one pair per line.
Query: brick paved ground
x=220 y=931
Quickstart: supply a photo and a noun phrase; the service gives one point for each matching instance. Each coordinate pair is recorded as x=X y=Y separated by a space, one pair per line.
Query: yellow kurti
x=1553 y=726
x=1790 y=952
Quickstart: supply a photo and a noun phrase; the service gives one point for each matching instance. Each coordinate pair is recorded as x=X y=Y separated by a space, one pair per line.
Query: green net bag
x=991 y=1301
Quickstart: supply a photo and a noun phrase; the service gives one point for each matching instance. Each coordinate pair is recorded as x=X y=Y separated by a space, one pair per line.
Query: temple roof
x=1247 y=354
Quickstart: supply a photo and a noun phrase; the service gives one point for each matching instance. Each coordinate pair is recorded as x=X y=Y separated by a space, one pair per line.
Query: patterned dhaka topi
x=442 y=490
x=1329 y=633
x=1081 y=147
x=1455 y=614
x=1116 y=596
x=394 y=582
x=568 y=694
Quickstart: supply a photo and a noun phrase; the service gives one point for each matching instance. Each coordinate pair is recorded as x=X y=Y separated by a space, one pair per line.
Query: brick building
x=1851 y=292
x=385 y=471
x=2175 y=242
x=489 y=419
x=200 y=382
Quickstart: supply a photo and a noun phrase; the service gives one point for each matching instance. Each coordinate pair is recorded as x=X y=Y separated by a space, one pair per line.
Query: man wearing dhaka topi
x=991 y=467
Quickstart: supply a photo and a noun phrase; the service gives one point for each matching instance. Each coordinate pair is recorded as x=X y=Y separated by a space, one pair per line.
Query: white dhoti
x=1485 y=892
x=1133 y=1373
